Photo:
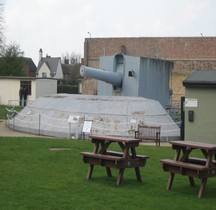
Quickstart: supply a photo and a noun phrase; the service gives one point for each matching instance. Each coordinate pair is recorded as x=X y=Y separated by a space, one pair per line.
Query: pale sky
x=60 y=26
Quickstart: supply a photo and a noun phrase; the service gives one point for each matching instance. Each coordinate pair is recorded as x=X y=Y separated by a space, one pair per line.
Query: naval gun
x=114 y=78
x=132 y=76
x=113 y=74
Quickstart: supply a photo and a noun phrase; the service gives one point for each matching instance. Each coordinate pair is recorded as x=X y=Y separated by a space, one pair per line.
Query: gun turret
x=114 y=78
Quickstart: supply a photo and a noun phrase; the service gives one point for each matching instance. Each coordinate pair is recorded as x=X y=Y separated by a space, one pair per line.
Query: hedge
x=72 y=89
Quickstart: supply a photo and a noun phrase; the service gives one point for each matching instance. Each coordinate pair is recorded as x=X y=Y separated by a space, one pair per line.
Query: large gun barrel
x=114 y=78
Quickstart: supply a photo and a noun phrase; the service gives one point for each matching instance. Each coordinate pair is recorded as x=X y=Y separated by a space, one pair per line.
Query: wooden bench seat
x=102 y=156
x=146 y=132
x=188 y=169
x=114 y=160
x=183 y=164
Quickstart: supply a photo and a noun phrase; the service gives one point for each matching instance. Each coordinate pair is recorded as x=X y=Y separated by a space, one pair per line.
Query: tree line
x=10 y=54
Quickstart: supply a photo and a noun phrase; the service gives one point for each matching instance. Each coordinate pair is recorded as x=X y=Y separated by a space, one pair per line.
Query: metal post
x=39 y=124
x=182 y=133
x=13 y=123
x=69 y=135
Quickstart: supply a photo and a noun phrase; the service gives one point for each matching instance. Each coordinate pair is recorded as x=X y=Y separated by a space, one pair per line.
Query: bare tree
x=65 y=58
x=73 y=58
x=1 y=24
x=12 y=50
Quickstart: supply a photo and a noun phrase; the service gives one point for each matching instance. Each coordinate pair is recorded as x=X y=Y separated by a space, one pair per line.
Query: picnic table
x=125 y=158
x=193 y=167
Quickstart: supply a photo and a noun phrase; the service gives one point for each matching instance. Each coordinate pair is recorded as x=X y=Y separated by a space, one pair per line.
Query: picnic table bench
x=146 y=132
x=193 y=167
x=114 y=159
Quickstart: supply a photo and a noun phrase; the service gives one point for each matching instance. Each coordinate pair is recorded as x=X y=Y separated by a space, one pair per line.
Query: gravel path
x=5 y=131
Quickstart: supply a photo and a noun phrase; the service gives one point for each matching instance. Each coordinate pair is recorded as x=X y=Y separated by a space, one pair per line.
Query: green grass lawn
x=34 y=177
x=4 y=112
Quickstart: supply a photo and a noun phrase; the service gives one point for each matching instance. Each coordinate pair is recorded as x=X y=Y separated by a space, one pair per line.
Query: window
x=27 y=85
x=44 y=74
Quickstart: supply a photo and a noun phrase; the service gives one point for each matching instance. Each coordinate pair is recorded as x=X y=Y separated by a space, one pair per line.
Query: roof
x=66 y=68
x=203 y=79
x=72 y=69
x=29 y=62
x=28 y=66
x=51 y=62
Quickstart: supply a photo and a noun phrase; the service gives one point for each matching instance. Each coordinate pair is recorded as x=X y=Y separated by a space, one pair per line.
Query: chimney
x=66 y=60
x=40 y=54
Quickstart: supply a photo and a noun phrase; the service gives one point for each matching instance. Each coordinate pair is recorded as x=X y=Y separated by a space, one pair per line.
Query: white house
x=49 y=67
x=36 y=87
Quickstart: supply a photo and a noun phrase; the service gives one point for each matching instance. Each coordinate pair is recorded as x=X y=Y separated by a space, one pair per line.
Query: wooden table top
x=115 y=138
x=194 y=144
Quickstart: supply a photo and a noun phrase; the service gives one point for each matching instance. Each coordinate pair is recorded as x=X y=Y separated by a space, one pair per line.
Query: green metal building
x=200 y=106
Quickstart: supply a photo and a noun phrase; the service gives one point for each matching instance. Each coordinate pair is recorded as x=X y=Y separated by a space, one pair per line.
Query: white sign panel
x=87 y=127
x=191 y=102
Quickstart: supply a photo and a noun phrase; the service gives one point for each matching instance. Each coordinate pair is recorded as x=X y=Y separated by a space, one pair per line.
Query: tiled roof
x=51 y=62
x=29 y=62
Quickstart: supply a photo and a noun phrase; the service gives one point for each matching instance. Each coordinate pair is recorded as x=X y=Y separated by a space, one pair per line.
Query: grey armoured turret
x=132 y=76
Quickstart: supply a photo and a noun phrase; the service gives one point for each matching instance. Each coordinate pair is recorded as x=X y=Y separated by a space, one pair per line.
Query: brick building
x=188 y=54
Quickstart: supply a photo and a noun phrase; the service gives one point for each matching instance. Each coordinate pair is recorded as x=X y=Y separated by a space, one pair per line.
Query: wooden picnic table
x=193 y=167
x=126 y=158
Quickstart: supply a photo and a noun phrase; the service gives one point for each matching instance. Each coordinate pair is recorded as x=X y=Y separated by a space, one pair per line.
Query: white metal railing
x=41 y=120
